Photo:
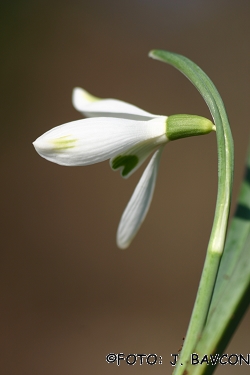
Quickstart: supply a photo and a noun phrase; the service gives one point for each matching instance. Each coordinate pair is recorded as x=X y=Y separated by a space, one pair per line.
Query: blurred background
x=69 y=296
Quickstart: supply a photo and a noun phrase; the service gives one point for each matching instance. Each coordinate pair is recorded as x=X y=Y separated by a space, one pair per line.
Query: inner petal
x=129 y=161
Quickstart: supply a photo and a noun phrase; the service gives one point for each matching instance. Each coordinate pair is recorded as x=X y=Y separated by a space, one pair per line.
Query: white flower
x=126 y=135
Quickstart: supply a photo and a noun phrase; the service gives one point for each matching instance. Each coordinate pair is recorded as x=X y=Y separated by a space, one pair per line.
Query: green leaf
x=227 y=314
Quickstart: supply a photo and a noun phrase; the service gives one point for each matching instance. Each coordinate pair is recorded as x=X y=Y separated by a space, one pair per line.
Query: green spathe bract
x=182 y=126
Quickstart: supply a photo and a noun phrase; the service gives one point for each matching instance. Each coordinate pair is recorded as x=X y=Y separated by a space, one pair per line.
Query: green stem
x=225 y=177
x=236 y=237
x=232 y=289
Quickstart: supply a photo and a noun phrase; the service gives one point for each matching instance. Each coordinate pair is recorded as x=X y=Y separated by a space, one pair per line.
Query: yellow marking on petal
x=88 y=97
x=63 y=143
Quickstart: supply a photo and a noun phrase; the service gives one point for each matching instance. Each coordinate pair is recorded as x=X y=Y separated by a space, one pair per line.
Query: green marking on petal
x=63 y=143
x=129 y=162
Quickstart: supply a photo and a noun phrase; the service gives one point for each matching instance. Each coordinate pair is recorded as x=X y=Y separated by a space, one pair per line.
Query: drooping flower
x=124 y=134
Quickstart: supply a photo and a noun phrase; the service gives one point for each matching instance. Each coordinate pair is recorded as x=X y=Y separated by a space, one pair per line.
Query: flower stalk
x=225 y=178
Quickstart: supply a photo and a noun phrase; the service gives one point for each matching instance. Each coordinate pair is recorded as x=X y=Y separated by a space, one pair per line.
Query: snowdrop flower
x=124 y=134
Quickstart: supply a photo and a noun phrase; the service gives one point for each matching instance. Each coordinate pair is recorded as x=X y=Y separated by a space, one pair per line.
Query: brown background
x=69 y=296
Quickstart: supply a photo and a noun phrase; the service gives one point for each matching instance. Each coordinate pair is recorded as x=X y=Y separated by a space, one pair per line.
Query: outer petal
x=93 y=140
x=139 y=203
x=91 y=106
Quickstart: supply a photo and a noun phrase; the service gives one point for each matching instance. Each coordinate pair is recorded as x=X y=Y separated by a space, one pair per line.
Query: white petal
x=129 y=161
x=93 y=140
x=139 y=203
x=91 y=106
